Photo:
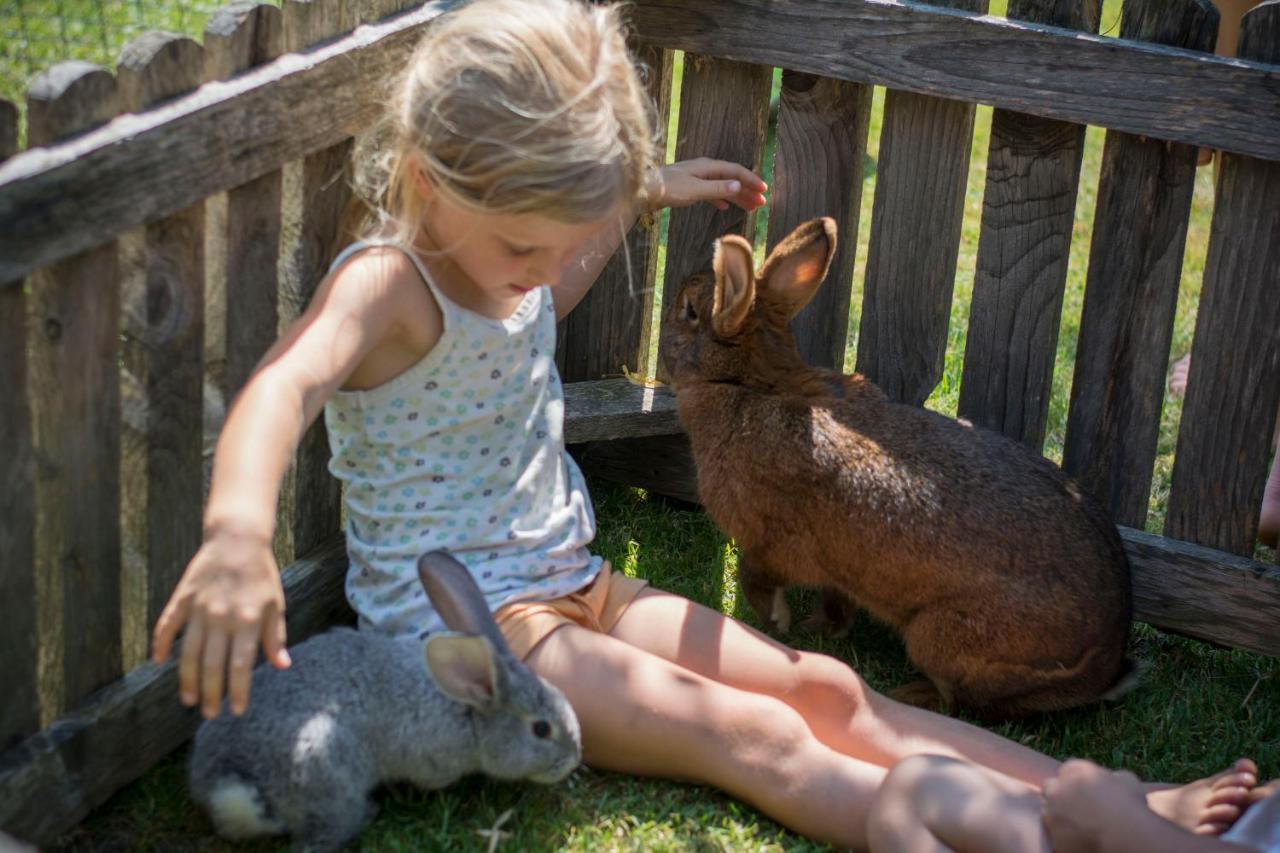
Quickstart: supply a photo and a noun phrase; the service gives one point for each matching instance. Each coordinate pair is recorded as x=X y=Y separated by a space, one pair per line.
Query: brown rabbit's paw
x=921 y=694
x=780 y=612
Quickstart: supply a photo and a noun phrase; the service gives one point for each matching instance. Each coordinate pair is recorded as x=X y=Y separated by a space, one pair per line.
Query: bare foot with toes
x=1207 y=806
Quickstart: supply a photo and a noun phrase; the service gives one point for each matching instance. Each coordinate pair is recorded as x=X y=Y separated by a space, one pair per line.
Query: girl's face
x=488 y=262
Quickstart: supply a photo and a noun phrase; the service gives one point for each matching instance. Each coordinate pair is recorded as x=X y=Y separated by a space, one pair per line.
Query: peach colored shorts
x=598 y=606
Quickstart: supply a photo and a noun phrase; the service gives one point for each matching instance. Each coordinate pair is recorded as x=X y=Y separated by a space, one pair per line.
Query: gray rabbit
x=357 y=709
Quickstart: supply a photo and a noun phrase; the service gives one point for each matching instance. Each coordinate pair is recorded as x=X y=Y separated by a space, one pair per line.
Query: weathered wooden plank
x=1204 y=593
x=20 y=713
x=1234 y=383
x=1135 y=266
x=1033 y=169
x=622 y=299
x=58 y=201
x=724 y=110
x=616 y=408
x=163 y=351
x=660 y=464
x=311 y=499
x=75 y=407
x=8 y=129
x=817 y=171
x=915 y=235
x=55 y=203
x=50 y=781
x=238 y=37
x=1145 y=89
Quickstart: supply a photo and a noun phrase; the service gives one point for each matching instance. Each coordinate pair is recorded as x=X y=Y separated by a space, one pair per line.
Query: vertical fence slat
x=163 y=359
x=75 y=403
x=817 y=171
x=724 y=111
x=1135 y=266
x=621 y=300
x=238 y=37
x=915 y=220
x=20 y=711
x=1033 y=170
x=313 y=511
x=1234 y=383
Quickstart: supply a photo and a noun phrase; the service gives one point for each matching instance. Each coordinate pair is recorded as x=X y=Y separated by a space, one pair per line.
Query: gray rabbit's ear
x=455 y=596
x=464 y=668
x=735 y=285
x=794 y=269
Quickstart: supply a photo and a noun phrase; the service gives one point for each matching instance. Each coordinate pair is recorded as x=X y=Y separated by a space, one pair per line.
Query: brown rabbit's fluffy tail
x=1129 y=678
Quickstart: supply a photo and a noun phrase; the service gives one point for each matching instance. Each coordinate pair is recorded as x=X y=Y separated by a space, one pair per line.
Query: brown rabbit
x=1008 y=583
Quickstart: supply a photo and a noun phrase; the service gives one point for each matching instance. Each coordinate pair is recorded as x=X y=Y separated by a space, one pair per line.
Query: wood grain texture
x=617 y=408
x=817 y=171
x=20 y=713
x=238 y=37
x=311 y=504
x=915 y=235
x=1144 y=89
x=1234 y=382
x=1033 y=170
x=8 y=129
x=50 y=781
x=163 y=353
x=610 y=327
x=724 y=110
x=75 y=407
x=1135 y=267
x=20 y=710
x=58 y=201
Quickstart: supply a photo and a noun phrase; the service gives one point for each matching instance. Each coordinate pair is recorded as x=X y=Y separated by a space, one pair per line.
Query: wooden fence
x=169 y=216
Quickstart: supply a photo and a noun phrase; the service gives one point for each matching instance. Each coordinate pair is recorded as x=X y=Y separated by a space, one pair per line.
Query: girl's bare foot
x=1207 y=806
x=1178 y=375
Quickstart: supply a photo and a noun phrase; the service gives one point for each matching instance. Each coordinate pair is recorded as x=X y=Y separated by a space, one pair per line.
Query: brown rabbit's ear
x=794 y=269
x=735 y=285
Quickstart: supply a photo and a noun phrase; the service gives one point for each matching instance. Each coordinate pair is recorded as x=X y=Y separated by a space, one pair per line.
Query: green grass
x=1199 y=707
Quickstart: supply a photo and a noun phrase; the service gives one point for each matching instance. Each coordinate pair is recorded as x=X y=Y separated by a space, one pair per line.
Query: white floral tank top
x=463 y=451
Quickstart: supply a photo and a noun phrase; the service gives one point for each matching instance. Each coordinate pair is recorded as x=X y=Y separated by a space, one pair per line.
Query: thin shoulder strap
x=446 y=305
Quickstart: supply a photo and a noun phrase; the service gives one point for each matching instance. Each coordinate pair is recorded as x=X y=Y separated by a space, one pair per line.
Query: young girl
x=523 y=149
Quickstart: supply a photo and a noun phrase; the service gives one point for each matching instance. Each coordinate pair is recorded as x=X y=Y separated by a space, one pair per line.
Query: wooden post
x=20 y=711
x=75 y=407
x=817 y=171
x=1033 y=170
x=1135 y=267
x=915 y=219
x=163 y=362
x=311 y=509
x=1234 y=384
x=240 y=36
x=610 y=327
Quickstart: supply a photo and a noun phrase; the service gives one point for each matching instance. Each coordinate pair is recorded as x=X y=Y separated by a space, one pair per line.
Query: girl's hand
x=716 y=181
x=230 y=598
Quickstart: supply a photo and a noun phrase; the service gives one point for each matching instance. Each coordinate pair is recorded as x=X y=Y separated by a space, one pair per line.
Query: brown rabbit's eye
x=541 y=729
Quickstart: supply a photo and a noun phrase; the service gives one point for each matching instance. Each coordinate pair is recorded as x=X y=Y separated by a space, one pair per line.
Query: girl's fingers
x=273 y=639
x=244 y=650
x=213 y=668
x=189 y=664
x=173 y=615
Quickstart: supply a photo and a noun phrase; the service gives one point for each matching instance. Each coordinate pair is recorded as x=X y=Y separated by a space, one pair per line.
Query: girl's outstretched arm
x=675 y=185
x=230 y=597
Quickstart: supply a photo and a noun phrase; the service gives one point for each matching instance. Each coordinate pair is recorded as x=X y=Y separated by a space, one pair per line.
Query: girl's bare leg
x=930 y=803
x=847 y=715
x=840 y=708
x=645 y=715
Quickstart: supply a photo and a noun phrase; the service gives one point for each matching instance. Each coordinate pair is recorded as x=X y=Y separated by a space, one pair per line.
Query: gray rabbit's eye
x=541 y=729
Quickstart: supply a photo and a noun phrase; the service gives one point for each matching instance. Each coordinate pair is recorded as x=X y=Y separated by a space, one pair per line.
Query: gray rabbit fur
x=357 y=709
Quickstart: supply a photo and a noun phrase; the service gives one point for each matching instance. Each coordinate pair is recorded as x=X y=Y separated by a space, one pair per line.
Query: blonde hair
x=511 y=107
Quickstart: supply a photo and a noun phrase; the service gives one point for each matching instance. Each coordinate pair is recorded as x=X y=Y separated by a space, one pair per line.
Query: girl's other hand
x=1084 y=801
x=716 y=181
x=230 y=598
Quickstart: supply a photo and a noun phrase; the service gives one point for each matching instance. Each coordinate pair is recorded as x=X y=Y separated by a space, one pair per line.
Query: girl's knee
x=831 y=685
